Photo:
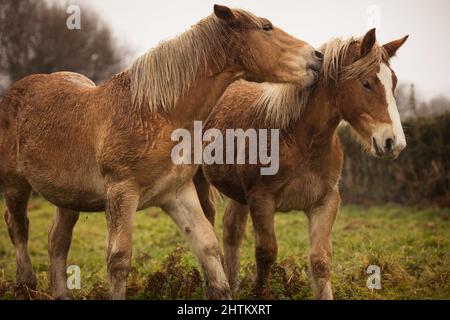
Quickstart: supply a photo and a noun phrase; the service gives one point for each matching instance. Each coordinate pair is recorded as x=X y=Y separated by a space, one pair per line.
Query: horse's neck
x=197 y=102
x=202 y=96
x=320 y=119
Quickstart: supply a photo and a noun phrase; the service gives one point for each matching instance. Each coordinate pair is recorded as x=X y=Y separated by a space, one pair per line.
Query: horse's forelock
x=336 y=67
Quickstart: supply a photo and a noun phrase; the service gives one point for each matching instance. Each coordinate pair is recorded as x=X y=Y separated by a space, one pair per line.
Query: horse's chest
x=302 y=192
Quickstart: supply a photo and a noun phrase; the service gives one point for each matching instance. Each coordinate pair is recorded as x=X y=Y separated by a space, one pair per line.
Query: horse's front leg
x=262 y=211
x=59 y=240
x=122 y=200
x=321 y=220
x=234 y=224
x=184 y=208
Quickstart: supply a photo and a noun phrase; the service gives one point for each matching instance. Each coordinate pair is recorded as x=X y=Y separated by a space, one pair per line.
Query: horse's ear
x=392 y=47
x=223 y=13
x=368 y=42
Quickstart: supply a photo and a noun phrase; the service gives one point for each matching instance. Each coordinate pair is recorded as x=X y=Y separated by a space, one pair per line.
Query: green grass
x=412 y=247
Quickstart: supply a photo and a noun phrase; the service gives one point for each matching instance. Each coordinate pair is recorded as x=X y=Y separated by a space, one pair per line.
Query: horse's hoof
x=29 y=281
x=63 y=297
x=218 y=293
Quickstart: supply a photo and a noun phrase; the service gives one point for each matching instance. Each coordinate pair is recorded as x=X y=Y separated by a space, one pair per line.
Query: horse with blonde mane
x=95 y=148
x=357 y=85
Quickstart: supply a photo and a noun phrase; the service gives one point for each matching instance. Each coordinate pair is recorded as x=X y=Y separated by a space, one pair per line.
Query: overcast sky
x=424 y=60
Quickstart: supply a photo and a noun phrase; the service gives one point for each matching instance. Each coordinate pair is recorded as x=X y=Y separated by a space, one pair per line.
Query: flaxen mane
x=282 y=104
x=162 y=75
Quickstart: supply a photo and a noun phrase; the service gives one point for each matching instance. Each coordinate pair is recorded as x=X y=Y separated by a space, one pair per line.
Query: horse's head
x=367 y=96
x=267 y=53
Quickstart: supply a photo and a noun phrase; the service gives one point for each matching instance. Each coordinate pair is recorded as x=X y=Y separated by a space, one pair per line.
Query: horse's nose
x=318 y=55
x=389 y=145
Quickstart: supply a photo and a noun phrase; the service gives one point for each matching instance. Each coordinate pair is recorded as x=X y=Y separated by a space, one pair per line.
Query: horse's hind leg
x=184 y=208
x=321 y=220
x=234 y=223
x=59 y=240
x=204 y=193
x=16 y=198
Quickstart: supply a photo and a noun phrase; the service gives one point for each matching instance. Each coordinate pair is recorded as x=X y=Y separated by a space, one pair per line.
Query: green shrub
x=419 y=176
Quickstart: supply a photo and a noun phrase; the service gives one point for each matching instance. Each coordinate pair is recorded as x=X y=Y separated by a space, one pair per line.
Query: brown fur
x=311 y=155
x=89 y=148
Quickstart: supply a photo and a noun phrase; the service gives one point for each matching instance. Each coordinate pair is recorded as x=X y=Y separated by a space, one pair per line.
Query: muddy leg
x=321 y=220
x=184 y=208
x=205 y=196
x=262 y=210
x=122 y=203
x=234 y=223
x=59 y=240
x=17 y=221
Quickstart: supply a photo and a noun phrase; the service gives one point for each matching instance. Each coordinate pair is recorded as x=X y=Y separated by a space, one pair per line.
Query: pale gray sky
x=423 y=60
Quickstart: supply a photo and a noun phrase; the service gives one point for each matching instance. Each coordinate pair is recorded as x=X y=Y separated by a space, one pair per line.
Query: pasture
x=410 y=245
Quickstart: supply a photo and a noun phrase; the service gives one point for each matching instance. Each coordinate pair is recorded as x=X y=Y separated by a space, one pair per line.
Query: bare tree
x=34 y=38
x=402 y=100
x=412 y=101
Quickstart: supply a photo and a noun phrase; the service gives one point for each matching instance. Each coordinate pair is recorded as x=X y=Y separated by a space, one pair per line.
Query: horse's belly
x=77 y=200
x=69 y=186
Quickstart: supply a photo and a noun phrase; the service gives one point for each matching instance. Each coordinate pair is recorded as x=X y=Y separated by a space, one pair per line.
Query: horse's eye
x=268 y=27
x=366 y=85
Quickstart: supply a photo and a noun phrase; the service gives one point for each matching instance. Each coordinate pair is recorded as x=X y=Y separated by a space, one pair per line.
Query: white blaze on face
x=385 y=77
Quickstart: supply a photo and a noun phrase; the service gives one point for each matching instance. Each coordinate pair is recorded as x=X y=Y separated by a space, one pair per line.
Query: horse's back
x=37 y=90
x=74 y=78
x=40 y=89
x=232 y=110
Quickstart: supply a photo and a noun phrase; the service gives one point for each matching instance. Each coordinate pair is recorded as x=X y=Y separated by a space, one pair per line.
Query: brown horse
x=89 y=148
x=357 y=85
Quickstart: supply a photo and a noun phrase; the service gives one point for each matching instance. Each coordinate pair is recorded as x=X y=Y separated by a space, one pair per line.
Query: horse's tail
x=5 y=122
x=215 y=196
x=207 y=194
x=5 y=114
x=11 y=101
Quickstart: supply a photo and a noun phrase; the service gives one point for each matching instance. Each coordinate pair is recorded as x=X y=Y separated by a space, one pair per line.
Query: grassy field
x=411 y=246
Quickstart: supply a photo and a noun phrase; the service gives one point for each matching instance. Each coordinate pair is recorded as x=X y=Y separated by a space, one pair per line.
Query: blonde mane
x=161 y=76
x=282 y=104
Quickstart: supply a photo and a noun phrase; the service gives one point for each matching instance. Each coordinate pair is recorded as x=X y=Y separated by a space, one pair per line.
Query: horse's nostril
x=389 y=145
x=319 y=55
